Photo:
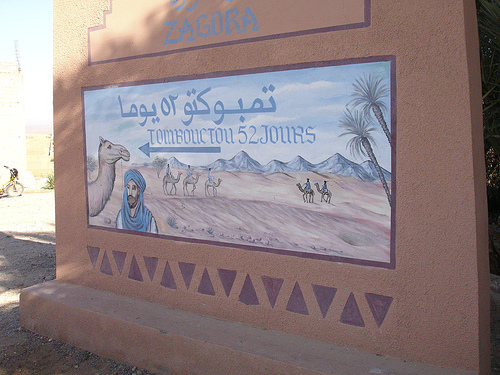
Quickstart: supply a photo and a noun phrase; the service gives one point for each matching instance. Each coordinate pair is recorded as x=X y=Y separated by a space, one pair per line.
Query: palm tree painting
x=368 y=93
x=357 y=126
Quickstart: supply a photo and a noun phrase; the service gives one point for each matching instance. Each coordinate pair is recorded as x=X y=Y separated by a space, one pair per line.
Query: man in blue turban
x=134 y=215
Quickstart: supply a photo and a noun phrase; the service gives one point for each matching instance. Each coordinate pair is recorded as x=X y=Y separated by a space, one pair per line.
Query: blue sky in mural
x=311 y=100
x=30 y=23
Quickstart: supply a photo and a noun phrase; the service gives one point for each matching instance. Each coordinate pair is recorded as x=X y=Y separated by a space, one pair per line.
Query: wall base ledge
x=163 y=340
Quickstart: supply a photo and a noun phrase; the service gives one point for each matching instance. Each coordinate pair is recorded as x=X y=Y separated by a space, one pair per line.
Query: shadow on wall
x=68 y=114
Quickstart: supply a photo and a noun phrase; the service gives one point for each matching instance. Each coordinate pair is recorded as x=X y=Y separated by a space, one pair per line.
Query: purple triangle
x=135 y=271
x=296 y=303
x=93 y=254
x=120 y=257
x=206 y=286
x=187 y=271
x=151 y=264
x=351 y=314
x=248 y=296
x=227 y=278
x=324 y=296
x=273 y=287
x=106 y=265
x=168 y=280
x=379 y=305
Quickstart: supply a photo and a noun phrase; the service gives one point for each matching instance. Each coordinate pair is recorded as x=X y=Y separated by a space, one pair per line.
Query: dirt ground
x=27 y=257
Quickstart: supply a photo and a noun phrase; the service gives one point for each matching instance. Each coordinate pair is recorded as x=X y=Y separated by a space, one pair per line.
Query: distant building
x=12 y=123
x=39 y=155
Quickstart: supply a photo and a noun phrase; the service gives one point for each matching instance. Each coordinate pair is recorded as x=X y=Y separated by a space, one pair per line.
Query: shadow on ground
x=27 y=259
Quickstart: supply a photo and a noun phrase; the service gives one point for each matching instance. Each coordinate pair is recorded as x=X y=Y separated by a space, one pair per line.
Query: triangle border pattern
x=295 y=300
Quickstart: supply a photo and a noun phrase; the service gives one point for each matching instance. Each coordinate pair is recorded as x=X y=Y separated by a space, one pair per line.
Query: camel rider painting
x=308 y=185
x=324 y=188
x=168 y=172
x=134 y=215
x=210 y=177
x=190 y=175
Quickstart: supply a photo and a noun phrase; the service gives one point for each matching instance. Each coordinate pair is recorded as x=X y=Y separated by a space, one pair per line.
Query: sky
x=312 y=100
x=29 y=22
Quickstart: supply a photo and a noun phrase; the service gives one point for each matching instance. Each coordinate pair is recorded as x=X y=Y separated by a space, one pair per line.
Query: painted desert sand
x=268 y=213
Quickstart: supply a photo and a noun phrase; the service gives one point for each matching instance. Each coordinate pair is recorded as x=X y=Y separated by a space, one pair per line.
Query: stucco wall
x=439 y=312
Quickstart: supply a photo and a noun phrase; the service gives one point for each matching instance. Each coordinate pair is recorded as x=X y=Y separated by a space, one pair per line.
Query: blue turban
x=142 y=219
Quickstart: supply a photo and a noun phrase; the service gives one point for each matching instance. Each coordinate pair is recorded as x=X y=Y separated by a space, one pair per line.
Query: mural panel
x=294 y=160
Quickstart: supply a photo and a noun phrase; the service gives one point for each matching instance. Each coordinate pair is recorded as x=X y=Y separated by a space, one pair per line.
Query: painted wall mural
x=294 y=160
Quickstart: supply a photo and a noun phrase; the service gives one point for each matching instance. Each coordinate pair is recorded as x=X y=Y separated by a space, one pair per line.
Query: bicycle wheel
x=14 y=189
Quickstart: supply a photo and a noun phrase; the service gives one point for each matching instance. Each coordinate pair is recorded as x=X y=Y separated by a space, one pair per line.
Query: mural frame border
x=391 y=264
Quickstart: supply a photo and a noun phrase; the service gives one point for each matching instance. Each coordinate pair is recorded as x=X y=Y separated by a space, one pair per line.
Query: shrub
x=172 y=221
x=49 y=184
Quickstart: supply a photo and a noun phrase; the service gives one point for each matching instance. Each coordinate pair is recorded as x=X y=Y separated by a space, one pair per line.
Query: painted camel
x=307 y=195
x=213 y=185
x=190 y=181
x=101 y=188
x=170 y=180
x=325 y=195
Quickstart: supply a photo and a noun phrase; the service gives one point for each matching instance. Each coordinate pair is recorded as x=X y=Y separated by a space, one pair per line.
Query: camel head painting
x=101 y=188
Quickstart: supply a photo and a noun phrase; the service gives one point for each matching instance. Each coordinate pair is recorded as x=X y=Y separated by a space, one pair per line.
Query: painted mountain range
x=336 y=164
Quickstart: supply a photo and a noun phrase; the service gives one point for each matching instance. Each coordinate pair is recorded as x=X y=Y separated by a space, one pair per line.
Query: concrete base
x=163 y=340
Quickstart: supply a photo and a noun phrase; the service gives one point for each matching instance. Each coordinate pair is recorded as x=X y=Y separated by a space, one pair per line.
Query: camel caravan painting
x=293 y=160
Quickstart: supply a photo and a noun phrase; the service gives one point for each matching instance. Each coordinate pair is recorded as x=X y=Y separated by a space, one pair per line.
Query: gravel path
x=27 y=257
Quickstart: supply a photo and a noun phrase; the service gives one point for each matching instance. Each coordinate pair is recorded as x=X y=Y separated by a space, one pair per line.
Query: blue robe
x=143 y=221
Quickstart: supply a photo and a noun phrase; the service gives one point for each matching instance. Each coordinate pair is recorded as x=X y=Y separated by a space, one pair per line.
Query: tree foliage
x=488 y=16
x=369 y=93
x=357 y=126
x=488 y=12
x=158 y=164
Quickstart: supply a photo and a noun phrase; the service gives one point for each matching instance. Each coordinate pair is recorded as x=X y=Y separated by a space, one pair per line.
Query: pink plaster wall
x=440 y=311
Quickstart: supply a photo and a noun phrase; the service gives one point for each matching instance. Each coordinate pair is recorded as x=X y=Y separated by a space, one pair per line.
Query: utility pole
x=18 y=55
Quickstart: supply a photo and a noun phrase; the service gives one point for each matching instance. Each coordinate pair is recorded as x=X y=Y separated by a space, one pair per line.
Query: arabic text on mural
x=224 y=116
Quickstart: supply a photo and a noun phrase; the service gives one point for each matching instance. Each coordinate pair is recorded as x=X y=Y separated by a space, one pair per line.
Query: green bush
x=49 y=184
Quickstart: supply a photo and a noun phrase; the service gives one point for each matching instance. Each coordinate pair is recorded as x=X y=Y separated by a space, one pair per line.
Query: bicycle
x=12 y=188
